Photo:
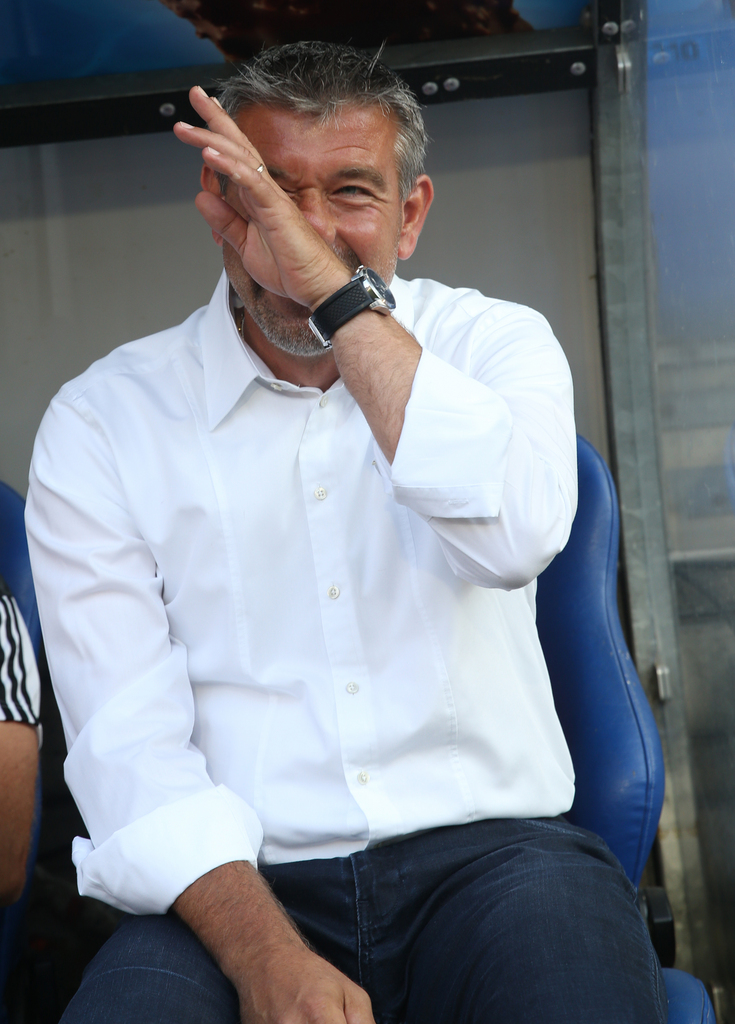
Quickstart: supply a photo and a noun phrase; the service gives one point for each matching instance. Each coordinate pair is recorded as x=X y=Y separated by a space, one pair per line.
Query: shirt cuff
x=145 y=866
x=452 y=454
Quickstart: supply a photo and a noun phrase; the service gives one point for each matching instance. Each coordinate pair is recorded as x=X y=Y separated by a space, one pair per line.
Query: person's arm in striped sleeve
x=19 y=710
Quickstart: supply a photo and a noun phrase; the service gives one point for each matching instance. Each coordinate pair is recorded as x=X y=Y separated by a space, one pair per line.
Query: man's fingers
x=341 y=1002
x=358 y=1008
x=222 y=134
x=219 y=122
x=203 y=138
x=209 y=109
x=228 y=224
x=239 y=160
x=241 y=168
x=223 y=219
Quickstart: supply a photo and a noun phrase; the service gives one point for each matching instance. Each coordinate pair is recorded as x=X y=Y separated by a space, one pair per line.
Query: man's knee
x=549 y=930
x=155 y=970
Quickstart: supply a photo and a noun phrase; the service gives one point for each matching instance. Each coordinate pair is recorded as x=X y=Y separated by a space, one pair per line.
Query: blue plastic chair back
x=15 y=567
x=606 y=718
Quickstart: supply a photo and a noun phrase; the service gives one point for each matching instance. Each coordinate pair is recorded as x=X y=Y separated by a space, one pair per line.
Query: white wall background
x=100 y=243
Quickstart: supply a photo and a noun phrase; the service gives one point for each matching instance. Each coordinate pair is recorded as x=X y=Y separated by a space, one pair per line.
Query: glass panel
x=691 y=179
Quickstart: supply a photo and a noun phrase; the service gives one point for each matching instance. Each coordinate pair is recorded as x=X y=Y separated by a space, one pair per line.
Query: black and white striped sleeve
x=20 y=688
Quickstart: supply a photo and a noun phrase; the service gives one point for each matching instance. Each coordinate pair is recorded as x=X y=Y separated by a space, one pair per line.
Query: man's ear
x=210 y=183
x=415 y=210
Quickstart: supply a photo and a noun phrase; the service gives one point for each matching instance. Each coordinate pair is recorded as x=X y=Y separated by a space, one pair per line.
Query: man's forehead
x=356 y=140
x=345 y=120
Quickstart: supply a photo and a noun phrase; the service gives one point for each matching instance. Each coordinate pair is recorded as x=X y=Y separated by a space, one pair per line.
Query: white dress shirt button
x=363 y=778
x=352 y=687
x=333 y=592
x=276 y=387
x=323 y=401
x=320 y=493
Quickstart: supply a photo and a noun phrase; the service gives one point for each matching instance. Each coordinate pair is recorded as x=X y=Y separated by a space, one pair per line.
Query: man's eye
x=352 y=190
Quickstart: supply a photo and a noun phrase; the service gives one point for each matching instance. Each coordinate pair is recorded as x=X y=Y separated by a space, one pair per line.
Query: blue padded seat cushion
x=688 y=999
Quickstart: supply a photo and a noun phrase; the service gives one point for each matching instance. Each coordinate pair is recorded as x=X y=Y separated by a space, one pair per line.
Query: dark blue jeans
x=496 y=922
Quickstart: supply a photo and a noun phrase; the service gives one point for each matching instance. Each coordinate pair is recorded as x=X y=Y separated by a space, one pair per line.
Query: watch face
x=376 y=286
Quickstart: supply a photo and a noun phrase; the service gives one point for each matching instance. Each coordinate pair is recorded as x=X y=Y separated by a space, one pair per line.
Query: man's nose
x=316 y=210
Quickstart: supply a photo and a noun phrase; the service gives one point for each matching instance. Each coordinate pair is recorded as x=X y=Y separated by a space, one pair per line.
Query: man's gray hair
x=320 y=79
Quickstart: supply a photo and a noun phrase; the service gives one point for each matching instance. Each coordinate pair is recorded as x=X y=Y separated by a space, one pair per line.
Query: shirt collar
x=230 y=366
x=404 y=311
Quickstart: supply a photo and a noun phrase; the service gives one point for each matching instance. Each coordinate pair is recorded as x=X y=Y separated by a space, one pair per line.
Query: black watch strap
x=365 y=291
x=340 y=307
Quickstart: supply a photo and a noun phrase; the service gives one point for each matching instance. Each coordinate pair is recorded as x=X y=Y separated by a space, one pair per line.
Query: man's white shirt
x=267 y=642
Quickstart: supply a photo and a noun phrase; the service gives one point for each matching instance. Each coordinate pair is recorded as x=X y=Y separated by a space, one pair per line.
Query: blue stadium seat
x=604 y=712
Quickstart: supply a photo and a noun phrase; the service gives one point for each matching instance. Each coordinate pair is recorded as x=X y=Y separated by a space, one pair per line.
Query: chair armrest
x=654 y=905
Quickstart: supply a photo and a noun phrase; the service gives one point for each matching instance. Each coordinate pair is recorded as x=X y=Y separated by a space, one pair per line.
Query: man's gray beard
x=289 y=334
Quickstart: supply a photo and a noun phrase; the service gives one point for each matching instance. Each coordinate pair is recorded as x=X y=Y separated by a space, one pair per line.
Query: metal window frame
x=624 y=266
x=34 y=113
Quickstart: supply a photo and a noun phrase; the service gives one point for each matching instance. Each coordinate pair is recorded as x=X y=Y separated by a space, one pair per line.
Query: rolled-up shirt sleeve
x=126 y=700
x=487 y=454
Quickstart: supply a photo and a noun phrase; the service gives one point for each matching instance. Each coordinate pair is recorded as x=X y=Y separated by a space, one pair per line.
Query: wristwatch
x=365 y=290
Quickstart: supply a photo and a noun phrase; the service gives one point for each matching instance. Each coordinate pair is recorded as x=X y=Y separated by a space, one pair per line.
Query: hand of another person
x=278 y=247
x=18 y=769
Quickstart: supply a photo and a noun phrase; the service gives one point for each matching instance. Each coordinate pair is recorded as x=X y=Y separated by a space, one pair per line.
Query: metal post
x=622 y=226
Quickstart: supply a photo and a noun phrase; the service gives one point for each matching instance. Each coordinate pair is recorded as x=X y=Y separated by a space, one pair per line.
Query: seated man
x=285 y=555
x=20 y=697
